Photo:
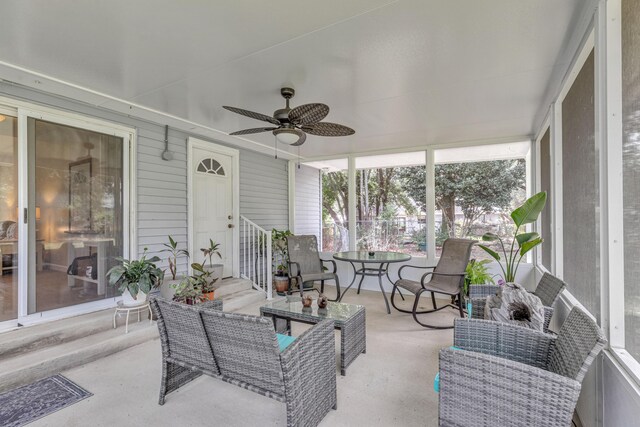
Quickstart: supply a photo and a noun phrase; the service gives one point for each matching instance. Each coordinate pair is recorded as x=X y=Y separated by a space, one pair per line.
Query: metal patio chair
x=446 y=278
x=306 y=266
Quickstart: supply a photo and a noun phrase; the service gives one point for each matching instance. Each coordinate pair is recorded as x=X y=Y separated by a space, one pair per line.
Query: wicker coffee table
x=349 y=319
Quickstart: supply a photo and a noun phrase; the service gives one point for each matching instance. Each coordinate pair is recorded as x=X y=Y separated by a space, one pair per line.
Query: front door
x=212 y=193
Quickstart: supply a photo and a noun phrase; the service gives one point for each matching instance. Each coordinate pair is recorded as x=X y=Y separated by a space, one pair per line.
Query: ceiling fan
x=293 y=124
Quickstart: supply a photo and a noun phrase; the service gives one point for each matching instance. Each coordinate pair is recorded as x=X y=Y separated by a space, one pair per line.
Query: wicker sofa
x=502 y=374
x=243 y=350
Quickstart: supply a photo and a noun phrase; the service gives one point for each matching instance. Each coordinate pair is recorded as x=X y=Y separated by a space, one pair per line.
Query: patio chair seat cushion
x=312 y=277
x=284 y=341
x=434 y=285
x=410 y=285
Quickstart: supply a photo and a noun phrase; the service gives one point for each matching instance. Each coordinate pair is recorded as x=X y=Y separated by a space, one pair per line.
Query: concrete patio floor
x=390 y=385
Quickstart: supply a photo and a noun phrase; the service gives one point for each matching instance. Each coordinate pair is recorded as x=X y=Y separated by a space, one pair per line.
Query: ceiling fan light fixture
x=287 y=135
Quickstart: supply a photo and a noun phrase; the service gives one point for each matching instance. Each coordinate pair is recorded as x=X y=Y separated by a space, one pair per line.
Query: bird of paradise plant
x=521 y=216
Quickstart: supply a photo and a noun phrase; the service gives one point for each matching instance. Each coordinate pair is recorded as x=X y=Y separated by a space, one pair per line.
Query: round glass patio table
x=383 y=258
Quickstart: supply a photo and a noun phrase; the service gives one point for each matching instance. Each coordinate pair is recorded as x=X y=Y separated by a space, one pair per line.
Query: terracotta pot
x=208 y=296
x=281 y=284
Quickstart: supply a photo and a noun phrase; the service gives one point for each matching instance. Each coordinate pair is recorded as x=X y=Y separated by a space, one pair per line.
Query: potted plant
x=521 y=216
x=281 y=279
x=135 y=278
x=477 y=274
x=204 y=279
x=216 y=270
x=188 y=291
x=166 y=289
x=279 y=259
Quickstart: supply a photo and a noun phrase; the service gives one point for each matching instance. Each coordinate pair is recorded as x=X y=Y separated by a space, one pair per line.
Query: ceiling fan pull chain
x=298 y=157
x=276 y=138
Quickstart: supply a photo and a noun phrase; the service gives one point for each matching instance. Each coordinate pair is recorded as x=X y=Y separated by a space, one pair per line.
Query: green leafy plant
x=189 y=291
x=521 y=216
x=279 y=254
x=477 y=274
x=203 y=277
x=213 y=249
x=172 y=248
x=136 y=275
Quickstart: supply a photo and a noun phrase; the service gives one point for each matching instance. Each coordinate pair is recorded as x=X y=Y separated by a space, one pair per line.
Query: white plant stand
x=121 y=308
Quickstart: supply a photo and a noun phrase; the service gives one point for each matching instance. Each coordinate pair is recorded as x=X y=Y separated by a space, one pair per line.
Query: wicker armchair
x=505 y=374
x=243 y=350
x=548 y=290
x=305 y=265
x=446 y=278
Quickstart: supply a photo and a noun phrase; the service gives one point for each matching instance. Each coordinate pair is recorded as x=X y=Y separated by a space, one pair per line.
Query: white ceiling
x=402 y=73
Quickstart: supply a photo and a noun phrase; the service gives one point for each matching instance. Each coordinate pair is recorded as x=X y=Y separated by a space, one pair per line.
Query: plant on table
x=134 y=276
x=521 y=216
x=174 y=254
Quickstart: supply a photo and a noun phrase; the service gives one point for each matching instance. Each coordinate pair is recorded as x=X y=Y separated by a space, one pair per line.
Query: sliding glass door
x=76 y=226
x=8 y=217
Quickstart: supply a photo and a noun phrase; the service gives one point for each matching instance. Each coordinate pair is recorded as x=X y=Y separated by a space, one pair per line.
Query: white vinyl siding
x=308 y=198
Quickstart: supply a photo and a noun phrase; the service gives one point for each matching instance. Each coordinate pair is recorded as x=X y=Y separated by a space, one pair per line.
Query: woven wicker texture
x=549 y=288
x=579 y=342
x=245 y=347
x=515 y=376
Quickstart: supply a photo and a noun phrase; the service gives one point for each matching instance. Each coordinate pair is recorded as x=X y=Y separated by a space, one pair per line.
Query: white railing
x=255 y=255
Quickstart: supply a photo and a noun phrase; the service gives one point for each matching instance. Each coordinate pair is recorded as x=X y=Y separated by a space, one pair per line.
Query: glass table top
x=293 y=304
x=378 y=256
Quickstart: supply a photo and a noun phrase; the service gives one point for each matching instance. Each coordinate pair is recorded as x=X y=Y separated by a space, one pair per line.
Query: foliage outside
x=391 y=204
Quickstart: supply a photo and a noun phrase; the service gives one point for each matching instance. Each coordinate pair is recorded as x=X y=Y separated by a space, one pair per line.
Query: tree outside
x=471 y=199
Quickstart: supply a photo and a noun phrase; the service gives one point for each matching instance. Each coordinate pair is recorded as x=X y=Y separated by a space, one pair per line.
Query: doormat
x=28 y=403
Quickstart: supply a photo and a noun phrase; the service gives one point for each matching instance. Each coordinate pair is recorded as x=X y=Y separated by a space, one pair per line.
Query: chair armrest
x=548 y=314
x=309 y=369
x=480 y=390
x=411 y=266
x=215 y=304
x=503 y=340
x=433 y=273
x=335 y=266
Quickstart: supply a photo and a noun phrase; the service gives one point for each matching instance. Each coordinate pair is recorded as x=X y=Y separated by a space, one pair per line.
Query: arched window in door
x=211 y=166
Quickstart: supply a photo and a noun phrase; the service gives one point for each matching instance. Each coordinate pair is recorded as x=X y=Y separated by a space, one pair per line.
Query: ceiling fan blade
x=252 y=114
x=308 y=114
x=303 y=138
x=249 y=131
x=328 y=129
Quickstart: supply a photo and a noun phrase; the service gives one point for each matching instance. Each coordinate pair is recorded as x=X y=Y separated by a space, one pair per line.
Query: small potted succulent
x=135 y=278
x=166 y=288
x=188 y=291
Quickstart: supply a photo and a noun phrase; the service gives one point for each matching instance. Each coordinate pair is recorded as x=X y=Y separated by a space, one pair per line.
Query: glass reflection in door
x=78 y=221
x=8 y=217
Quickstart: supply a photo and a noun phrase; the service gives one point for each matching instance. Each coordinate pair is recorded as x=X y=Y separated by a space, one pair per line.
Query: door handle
x=229 y=217
x=230 y=225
